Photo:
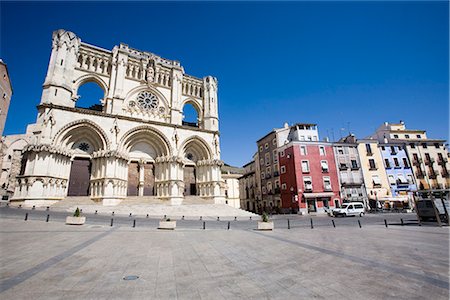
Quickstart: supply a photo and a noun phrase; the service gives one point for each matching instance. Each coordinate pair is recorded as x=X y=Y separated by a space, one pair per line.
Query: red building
x=309 y=179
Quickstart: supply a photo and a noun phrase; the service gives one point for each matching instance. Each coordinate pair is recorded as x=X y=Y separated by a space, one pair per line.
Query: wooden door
x=133 y=179
x=80 y=175
x=190 y=187
x=149 y=179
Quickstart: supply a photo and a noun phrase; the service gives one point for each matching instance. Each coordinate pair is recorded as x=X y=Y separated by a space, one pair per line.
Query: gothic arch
x=89 y=78
x=196 y=146
x=197 y=105
x=149 y=135
x=69 y=134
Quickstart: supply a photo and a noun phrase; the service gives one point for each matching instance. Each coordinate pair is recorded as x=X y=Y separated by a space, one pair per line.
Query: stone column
x=169 y=179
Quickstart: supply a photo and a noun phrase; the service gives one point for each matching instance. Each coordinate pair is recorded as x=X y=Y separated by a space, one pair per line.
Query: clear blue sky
x=324 y=62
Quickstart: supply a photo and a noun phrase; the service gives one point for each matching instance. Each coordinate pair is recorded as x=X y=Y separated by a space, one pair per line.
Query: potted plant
x=76 y=219
x=166 y=223
x=265 y=223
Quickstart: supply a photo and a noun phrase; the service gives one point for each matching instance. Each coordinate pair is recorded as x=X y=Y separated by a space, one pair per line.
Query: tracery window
x=147 y=100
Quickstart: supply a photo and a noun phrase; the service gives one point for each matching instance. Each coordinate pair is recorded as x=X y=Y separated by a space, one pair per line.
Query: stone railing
x=192 y=86
x=94 y=60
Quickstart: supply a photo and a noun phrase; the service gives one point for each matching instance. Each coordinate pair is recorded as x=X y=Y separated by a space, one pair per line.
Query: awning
x=376 y=179
x=402 y=199
x=318 y=195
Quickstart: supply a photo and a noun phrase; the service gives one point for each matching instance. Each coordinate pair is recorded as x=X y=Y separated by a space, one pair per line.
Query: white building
x=135 y=143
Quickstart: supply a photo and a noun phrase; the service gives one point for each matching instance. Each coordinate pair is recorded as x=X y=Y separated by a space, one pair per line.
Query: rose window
x=84 y=146
x=147 y=100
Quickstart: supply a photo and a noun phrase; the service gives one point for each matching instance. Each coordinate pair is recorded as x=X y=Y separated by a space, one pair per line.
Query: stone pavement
x=52 y=261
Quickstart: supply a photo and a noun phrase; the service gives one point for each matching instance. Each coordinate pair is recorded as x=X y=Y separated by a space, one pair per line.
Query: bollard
x=235 y=218
x=165 y=217
x=204 y=225
x=112 y=221
x=26 y=216
x=228 y=225
x=359 y=223
x=401 y=220
x=34 y=207
x=7 y=204
x=48 y=208
x=218 y=219
x=385 y=223
x=95 y=212
x=200 y=218
x=182 y=217
x=147 y=216
x=81 y=210
x=48 y=217
x=20 y=205
x=312 y=226
x=289 y=224
x=250 y=218
x=134 y=223
x=130 y=216
x=112 y=214
x=334 y=225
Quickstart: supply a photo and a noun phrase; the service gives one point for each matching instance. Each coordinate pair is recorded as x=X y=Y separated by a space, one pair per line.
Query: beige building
x=11 y=161
x=374 y=173
x=429 y=157
x=134 y=142
x=230 y=177
x=248 y=188
x=6 y=94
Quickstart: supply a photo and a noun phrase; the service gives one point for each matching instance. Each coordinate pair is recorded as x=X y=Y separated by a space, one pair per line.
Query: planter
x=170 y=225
x=75 y=220
x=265 y=225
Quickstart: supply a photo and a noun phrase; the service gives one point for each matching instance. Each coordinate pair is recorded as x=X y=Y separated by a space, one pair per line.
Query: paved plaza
x=50 y=260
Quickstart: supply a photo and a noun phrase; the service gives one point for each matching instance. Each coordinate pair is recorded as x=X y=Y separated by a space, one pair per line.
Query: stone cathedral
x=133 y=143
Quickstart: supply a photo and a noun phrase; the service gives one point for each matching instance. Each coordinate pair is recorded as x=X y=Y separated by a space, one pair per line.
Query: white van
x=350 y=209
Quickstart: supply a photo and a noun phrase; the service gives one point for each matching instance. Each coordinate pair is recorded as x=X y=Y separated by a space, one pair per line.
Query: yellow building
x=374 y=173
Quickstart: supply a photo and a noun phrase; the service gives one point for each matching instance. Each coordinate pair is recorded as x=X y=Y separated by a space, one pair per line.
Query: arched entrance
x=143 y=145
x=83 y=138
x=194 y=150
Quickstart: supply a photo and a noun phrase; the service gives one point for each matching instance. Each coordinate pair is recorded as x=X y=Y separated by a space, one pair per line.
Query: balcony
x=429 y=162
x=417 y=162
x=351 y=183
x=442 y=161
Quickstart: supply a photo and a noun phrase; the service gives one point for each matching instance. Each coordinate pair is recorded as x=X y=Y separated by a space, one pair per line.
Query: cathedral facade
x=134 y=143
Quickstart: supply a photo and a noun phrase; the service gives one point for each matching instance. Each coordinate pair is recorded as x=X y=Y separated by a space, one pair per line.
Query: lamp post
x=292 y=198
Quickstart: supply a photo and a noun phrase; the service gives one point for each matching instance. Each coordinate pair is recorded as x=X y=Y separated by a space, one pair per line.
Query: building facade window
x=260 y=148
x=386 y=163
x=266 y=146
x=275 y=156
x=354 y=164
x=391 y=179
x=372 y=164
x=274 y=142
x=368 y=149
x=282 y=153
x=303 y=150
x=322 y=150
x=324 y=165
x=307 y=183
x=326 y=183
x=283 y=169
x=396 y=162
x=406 y=136
x=376 y=180
x=405 y=162
x=267 y=158
x=305 y=166
x=283 y=186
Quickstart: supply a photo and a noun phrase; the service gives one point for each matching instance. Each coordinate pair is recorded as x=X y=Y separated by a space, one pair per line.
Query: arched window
x=190 y=115
x=90 y=96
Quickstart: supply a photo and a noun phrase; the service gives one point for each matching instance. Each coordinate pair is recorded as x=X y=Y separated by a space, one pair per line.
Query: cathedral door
x=133 y=179
x=80 y=175
x=149 y=179
x=190 y=187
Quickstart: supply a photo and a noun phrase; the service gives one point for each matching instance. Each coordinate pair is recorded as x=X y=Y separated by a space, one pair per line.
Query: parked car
x=350 y=209
x=425 y=209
